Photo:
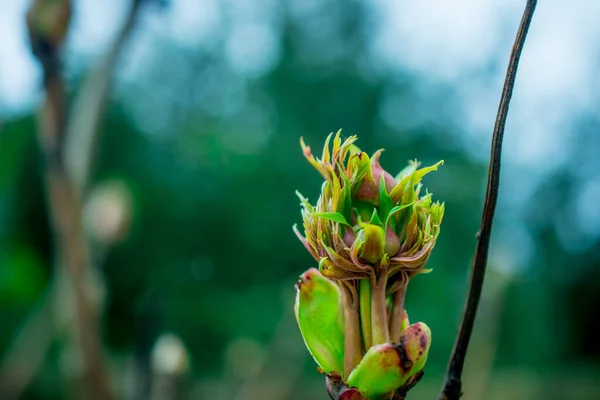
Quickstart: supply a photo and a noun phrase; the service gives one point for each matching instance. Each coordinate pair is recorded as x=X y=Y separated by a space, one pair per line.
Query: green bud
x=319 y=319
x=364 y=208
x=370 y=233
x=392 y=241
x=387 y=367
x=416 y=340
x=371 y=242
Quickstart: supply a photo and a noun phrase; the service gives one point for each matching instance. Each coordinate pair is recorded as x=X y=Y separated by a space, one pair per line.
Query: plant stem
x=397 y=315
x=379 y=320
x=364 y=290
x=453 y=386
x=352 y=337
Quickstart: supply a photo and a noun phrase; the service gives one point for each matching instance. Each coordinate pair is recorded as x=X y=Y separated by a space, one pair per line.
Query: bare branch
x=79 y=133
x=88 y=109
x=47 y=34
x=453 y=386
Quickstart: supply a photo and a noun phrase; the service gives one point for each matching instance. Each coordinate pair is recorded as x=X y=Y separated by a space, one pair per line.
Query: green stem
x=379 y=320
x=364 y=294
x=352 y=339
x=397 y=315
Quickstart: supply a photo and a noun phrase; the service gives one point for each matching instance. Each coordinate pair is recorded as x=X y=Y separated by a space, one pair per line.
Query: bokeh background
x=200 y=139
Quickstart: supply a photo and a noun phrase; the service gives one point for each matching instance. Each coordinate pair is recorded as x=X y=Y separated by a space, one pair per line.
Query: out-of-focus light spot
x=245 y=357
x=169 y=355
x=19 y=74
x=587 y=210
x=153 y=117
x=263 y=11
x=253 y=133
x=108 y=212
x=202 y=268
x=244 y=142
x=568 y=231
x=537 y=143
x=400 y=111
x=425 y=38
x=94 y=26
x=512 y=249
x=253 y=49
x=191 y=21
x=556 y=78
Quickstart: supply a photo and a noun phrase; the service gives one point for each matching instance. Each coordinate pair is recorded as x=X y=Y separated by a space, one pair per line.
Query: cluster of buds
x=370 y=233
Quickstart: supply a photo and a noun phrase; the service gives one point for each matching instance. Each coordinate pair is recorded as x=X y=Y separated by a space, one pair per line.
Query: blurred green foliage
x=212 y=158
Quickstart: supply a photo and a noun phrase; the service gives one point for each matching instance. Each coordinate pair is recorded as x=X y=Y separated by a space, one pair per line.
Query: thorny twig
x=452 y=389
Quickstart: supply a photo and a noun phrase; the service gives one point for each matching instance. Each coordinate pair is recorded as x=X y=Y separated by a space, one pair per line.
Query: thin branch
x=453 y=385
x=30 y=345
x=48 y=24
x=88 y=109
x=64 y=204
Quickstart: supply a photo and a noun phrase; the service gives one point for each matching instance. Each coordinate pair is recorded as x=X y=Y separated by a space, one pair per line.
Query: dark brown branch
x=453 y=386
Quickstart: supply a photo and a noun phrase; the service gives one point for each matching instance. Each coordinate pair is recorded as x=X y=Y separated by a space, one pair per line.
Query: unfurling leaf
x=319 y=319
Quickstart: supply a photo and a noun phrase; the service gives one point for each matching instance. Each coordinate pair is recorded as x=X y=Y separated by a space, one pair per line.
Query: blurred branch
x=27 y=352
x=89 y=106
x=453 y=386
x=48 y=23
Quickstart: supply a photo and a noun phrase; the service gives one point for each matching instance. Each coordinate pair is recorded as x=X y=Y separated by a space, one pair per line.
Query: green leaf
x=385 y=201
x=361 y=165
x=411 y=179
x=333 y=216
x=344 y=205
x=317 y=313
x=408 y=170
x=394 y=211
x=375 y=218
